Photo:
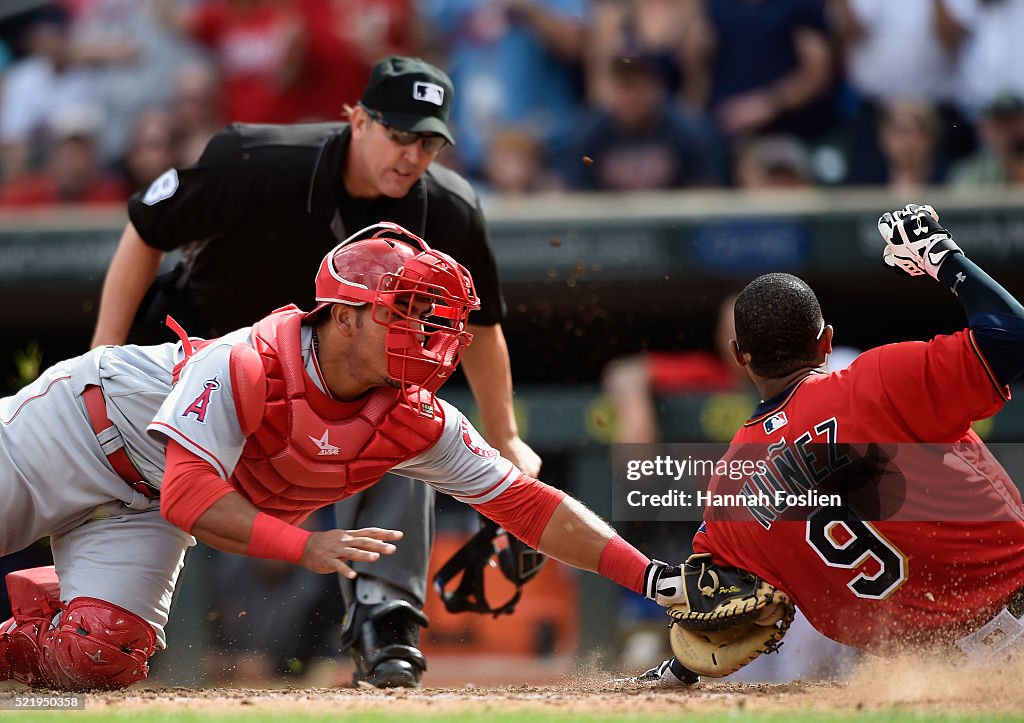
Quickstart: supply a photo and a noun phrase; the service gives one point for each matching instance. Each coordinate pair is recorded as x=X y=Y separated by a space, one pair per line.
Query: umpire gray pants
x=397 y=503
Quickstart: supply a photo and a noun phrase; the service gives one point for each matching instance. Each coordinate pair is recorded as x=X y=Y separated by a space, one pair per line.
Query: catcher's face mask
x=423 y=350
x=518 y=562
x=398 y=273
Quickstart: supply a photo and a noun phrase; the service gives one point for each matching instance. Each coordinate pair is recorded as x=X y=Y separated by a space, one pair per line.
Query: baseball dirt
x=877 y=685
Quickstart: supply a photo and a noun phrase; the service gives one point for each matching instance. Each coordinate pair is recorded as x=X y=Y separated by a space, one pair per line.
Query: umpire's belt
x=111 y=442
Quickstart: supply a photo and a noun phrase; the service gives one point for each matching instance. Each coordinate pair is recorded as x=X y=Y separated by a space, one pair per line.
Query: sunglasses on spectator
x=430 y=143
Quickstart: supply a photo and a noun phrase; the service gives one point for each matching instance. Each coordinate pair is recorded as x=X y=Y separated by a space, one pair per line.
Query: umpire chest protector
x=304 y=449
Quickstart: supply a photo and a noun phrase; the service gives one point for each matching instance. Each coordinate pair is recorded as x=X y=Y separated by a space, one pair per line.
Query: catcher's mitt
x=729 y=618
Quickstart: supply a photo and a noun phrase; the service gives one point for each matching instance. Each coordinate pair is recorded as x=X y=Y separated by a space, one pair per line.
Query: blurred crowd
x=99 y=97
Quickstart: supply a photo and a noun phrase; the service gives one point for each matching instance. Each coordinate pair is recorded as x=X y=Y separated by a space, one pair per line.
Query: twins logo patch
x=475 y=442
x=428 y=92
x=162 y=188
x=776 y=421
x=326 y=448
x=201 y=404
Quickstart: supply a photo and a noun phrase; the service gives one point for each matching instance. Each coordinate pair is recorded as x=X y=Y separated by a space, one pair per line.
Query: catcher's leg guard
x=5 y=654
x=34 y=596
x=386 y=646
x=94 y=644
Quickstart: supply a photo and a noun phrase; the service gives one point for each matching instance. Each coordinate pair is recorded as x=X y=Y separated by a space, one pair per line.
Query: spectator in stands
x=644 y=142
x=882 y=66
x=1015 y=163
x=992 y=61
x=515 y=166
x=908 y=134
x=767 y=65
x=656 y=28
x=151 y=149
x=514 y=64
x=345 y=38
x=1000 y=126
x=130 y=56
x=773 y=162
x=35 y=88
x=74 y=173
x=197 y=110
x=260 y=49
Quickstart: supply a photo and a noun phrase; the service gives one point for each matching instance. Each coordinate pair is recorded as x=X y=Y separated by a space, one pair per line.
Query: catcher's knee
x=95 y=645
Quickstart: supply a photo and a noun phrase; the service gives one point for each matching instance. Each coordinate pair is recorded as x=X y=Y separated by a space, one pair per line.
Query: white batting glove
x=669 y=674
x=664 y=584
x=914 y=240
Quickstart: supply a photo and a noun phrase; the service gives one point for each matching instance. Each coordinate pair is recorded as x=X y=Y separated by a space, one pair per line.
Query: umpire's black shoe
x=386 y=649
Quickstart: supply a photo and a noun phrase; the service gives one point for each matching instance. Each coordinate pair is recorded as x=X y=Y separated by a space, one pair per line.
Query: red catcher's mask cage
x=425 y=294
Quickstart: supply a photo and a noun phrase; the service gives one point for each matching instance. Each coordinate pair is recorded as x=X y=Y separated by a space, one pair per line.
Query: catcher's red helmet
x=386 y=265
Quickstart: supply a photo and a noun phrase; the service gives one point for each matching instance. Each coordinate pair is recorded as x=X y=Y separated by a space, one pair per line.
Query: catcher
x=933 y=557
x=125 y=453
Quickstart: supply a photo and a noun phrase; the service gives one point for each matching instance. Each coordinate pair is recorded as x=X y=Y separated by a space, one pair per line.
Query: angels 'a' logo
x=475 y=443
x=201 y=404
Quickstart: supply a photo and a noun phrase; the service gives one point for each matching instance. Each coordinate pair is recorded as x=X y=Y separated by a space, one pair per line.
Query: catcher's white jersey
x=200 y=415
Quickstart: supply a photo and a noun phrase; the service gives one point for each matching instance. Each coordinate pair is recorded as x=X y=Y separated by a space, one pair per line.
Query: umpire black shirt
x=258 y=211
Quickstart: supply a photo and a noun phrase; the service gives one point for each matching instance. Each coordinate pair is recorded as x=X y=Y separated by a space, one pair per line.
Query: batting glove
x=664 y=584
x=914 y=240
x=669 y=674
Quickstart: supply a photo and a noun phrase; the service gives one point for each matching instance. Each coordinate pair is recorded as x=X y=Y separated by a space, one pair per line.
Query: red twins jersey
x=947 y=554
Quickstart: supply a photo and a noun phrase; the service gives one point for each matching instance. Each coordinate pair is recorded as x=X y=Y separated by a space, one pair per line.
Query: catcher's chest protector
x=304 y=449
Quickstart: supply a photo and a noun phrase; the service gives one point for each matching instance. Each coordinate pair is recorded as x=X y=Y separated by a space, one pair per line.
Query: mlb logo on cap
x=774 y=422
x=410 y=95
x=428 y=92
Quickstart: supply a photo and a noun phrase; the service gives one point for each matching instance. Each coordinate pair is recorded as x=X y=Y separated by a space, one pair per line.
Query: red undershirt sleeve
x=622 y=563
x=190 y=487
x=524 y=508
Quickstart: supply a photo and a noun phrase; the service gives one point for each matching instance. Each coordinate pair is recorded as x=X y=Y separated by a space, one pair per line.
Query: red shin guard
x=95 y=645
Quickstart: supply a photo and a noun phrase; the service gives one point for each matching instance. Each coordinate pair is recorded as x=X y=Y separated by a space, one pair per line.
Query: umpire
x=259 y=209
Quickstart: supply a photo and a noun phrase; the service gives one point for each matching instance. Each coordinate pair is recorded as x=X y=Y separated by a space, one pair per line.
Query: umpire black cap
x=410 y=95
